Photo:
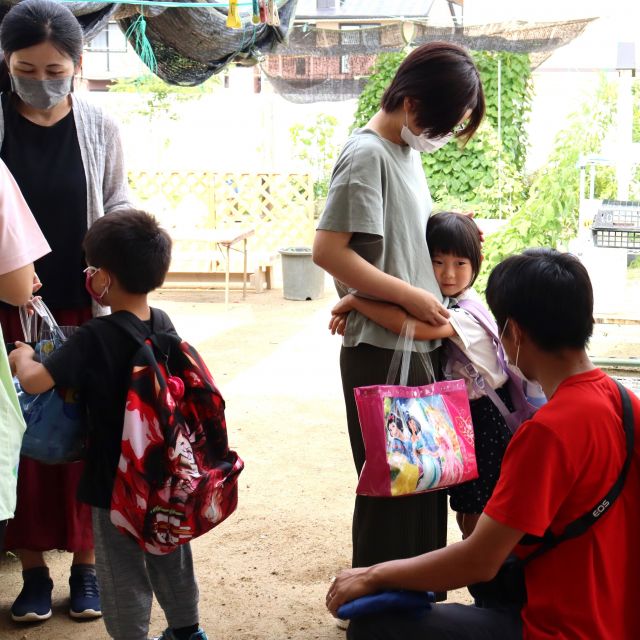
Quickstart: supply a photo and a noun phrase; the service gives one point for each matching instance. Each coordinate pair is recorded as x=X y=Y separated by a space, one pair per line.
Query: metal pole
x=626 y=65
x=617 y=362
x=625 y=128
x=500 y=136
x=226 y=279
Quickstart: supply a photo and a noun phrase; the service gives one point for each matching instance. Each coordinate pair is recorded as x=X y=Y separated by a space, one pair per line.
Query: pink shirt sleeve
x=21 y=241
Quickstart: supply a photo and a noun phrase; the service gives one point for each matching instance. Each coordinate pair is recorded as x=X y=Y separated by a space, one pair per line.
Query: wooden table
x=224 y=238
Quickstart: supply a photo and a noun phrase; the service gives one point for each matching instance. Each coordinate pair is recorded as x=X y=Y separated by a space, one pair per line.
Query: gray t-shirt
x=379 y=193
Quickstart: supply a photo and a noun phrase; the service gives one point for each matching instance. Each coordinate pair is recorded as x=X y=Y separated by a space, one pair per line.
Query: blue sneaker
x=84 y=592
x=168 y=634
x=33 y=603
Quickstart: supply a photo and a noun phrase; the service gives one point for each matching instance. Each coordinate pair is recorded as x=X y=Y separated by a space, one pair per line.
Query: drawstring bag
x=416 y=438
x=56 y=424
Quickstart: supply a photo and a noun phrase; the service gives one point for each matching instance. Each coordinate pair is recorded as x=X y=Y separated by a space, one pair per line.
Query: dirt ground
x=263 y=573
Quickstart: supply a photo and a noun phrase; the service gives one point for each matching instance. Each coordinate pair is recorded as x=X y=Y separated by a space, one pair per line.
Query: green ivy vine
x=484 y=175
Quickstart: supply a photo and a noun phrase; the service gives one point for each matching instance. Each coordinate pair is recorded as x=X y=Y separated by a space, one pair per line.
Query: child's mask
x=90 y=272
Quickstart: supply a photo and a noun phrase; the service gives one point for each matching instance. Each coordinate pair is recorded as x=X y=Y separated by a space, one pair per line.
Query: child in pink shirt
x=21 y=242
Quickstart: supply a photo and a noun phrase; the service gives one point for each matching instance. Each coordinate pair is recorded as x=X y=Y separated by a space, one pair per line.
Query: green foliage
x=635 y=263
x=635 y=89
x=515 y=106
x=550 y=215
x=483 y=175
x=542 y=211
x=315 y=144
x=383 y=70
x=162 y=98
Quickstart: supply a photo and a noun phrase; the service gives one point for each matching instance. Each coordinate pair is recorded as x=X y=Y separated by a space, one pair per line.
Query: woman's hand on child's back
x=426 y=307
x=472 y=215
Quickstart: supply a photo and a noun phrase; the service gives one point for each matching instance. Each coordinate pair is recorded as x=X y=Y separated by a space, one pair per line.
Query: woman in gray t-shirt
x=372 y=239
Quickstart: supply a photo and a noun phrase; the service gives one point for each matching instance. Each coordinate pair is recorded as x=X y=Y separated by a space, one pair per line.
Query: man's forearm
x=449 y=568
x=476 y=559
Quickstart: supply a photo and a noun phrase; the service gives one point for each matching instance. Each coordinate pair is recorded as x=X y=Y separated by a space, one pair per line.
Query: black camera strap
x=579 y=526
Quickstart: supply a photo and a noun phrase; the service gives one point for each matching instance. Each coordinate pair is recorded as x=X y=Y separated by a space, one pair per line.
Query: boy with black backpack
x=164 y=473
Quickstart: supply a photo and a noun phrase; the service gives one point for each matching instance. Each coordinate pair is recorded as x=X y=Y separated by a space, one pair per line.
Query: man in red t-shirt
x=558 y=466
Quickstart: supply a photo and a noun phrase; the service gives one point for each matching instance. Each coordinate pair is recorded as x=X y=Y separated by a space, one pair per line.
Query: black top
x=47 y=165
x=96 y=360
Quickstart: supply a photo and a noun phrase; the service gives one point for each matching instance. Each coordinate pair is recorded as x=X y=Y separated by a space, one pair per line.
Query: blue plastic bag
x=55 y=419
x=55 y=425
x=416 y=602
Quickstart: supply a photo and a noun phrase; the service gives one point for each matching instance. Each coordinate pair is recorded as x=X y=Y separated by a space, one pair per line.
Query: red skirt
x=48 y=514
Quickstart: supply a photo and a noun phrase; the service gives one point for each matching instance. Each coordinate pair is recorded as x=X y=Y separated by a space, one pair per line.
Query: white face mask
x=422 y=142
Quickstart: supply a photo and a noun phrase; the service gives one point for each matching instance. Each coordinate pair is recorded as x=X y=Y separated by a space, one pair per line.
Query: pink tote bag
x=416 y=439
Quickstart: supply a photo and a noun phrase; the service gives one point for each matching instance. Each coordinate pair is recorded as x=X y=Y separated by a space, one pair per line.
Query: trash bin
x=302 y=279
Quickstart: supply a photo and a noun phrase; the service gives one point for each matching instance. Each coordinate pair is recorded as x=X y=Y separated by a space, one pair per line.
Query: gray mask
x=42 y=94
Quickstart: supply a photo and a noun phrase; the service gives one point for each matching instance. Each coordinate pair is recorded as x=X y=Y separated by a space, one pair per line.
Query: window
x=109 y=41
x=371 y=36
x=359 y=35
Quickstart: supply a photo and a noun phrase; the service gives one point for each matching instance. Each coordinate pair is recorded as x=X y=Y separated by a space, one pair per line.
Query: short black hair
x=131 y=245
x=455 y=234
x=32 y=22
x=548 y=293
x=444 y=81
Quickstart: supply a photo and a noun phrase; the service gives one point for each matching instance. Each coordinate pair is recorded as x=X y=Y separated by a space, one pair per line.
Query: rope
x=137 y=33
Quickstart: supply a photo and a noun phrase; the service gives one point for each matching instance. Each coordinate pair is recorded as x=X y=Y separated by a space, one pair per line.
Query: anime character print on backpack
x=176 y=478
x=158 y=469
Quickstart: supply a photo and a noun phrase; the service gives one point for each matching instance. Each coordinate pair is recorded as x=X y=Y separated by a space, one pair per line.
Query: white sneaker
x=342 y=624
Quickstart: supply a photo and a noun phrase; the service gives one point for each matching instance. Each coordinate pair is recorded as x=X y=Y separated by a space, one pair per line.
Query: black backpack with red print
x=177 y=477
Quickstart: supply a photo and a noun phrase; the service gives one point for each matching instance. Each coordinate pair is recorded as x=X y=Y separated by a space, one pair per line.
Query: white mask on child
x=512 y=366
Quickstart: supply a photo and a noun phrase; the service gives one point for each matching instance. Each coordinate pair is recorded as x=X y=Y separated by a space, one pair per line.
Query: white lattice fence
x=279 y=207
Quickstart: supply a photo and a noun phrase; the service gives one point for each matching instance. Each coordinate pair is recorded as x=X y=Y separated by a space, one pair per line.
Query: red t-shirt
x=556 y=468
